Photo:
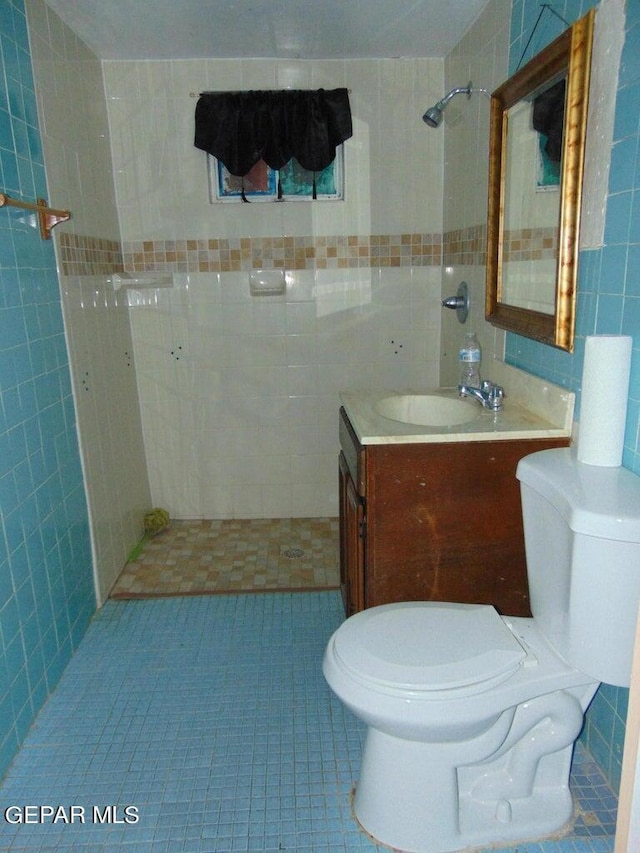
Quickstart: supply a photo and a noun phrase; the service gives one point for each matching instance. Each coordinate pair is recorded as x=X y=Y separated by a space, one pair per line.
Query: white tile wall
x=482 y=57
x=239 y=394
x=244 y=422
x=393 y=166
x=105 y=391
x=74 y=125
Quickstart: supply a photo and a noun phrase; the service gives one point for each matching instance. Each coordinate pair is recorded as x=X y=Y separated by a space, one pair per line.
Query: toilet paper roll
x=603 y=401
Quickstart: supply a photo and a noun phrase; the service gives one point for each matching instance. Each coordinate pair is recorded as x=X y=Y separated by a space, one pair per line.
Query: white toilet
x=472 y=716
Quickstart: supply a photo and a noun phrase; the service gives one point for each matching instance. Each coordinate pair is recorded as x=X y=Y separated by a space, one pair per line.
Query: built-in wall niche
x=290 y=183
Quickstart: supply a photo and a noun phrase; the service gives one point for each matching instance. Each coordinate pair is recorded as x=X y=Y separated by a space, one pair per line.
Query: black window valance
x=242 y=128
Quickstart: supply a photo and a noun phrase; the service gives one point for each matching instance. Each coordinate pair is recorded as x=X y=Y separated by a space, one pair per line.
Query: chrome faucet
x=490 y=395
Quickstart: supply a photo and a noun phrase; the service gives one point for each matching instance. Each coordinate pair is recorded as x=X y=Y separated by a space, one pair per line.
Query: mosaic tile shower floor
x=210 y=716
x=234 y=556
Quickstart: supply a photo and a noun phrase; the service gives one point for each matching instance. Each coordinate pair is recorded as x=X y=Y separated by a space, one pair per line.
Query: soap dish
x=267 y=282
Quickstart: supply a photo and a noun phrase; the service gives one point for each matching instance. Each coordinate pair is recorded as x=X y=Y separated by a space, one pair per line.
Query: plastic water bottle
x=470 y=359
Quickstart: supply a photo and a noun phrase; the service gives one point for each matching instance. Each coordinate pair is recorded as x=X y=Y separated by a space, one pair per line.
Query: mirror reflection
x=532 y=200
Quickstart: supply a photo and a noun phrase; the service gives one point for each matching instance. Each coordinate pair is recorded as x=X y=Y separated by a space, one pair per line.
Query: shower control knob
x=453 y=302
x=459 y=303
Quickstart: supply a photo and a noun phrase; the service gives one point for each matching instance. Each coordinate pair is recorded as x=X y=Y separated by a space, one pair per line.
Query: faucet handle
x=495 y=394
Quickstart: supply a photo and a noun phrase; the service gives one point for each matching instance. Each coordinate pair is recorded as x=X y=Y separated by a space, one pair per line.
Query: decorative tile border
x=465 y=246
x=294 y=253
x=93 y=256
x=530 y=244
x=81 y=255
x=468 y=246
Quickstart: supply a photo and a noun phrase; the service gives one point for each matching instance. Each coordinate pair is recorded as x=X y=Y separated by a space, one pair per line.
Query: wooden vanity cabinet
x=352 y=538
x=433 y=522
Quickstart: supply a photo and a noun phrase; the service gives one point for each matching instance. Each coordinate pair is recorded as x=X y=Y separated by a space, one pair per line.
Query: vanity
x=432 y=511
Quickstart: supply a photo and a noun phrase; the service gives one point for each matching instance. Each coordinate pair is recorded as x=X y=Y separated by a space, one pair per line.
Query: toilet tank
x=582 y=542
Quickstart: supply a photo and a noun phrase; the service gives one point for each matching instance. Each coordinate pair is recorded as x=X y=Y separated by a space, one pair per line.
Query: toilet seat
x=426 y=647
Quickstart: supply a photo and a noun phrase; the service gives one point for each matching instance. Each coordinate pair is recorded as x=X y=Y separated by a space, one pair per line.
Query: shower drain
x=293 y=553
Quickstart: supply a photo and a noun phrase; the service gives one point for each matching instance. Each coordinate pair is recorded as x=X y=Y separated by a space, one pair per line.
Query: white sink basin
x=427 y=409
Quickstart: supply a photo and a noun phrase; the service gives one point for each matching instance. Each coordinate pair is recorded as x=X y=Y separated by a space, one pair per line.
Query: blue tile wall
x=46 y=583
x=608 y=294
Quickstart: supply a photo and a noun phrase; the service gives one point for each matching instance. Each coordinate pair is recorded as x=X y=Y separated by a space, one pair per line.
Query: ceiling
x=283 y=29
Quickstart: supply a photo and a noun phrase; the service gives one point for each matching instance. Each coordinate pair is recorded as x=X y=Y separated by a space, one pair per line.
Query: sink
x=427 y=409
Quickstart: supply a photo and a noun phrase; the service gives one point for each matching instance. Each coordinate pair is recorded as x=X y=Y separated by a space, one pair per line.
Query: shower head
x=433 y=116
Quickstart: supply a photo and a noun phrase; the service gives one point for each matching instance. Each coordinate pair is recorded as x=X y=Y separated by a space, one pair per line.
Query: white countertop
x=532 y=408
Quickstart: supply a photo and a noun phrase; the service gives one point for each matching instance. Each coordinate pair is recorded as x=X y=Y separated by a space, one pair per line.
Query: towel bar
x=48 y=217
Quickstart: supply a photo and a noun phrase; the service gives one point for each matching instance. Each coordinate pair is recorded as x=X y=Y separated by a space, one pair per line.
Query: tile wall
x=352 y=251
x=75 y=134
x=161 y=179
x=46 y=585
x=239 y=394
x=481 y=56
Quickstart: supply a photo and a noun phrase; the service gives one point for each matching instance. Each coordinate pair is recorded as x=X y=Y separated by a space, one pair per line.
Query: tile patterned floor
x=210 y=716
x=234 y=556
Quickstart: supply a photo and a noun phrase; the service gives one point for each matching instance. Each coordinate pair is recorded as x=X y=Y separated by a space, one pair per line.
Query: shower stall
x=196 y=395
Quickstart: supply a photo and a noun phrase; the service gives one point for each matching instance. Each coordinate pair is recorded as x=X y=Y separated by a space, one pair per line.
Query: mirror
x=536 y=157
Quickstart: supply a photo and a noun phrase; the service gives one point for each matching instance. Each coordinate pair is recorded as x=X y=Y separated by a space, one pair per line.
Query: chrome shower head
x=433 y=116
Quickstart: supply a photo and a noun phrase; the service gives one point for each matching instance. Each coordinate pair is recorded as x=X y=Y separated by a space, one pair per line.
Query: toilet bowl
x=453 y=695
x=472 y=716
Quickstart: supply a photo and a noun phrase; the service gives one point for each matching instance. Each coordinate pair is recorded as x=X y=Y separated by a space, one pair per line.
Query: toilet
x=472 y=715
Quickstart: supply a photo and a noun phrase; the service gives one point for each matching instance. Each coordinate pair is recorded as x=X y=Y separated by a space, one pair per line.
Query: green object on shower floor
x=135 y=553
x=155 y=521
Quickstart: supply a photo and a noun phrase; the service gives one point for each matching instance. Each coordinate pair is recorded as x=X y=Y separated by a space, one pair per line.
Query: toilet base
x=509 y=784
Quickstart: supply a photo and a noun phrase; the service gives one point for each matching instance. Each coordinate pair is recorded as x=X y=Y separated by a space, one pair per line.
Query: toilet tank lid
x=594 y=500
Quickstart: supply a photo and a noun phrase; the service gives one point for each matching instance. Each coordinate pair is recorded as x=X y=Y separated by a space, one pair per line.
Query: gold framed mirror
x=536 y=159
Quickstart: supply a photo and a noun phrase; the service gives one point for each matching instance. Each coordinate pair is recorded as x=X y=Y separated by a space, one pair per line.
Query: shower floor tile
x=204 y=724
x=204 y=556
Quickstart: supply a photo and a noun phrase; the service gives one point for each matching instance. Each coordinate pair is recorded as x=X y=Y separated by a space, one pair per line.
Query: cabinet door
x=444 y=523
x=352 y=521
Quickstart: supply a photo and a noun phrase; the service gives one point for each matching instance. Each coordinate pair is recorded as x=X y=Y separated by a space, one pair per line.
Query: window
x=291 y=183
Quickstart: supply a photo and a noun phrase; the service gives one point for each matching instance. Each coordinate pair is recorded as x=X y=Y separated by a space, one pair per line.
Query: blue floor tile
x=204 y=724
